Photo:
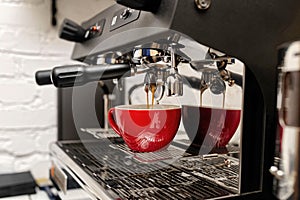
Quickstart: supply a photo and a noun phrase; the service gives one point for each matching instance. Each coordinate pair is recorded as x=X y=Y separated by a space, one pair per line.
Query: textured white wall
x=28 y=42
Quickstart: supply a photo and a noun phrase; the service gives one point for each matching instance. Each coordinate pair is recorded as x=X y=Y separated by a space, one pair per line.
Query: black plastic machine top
x=145 y=5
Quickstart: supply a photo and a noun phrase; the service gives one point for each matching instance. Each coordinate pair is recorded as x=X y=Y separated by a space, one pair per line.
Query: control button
x=122 y=17
x=95 y=28
x=114 y=20
x=126 y=13
x=93 y=31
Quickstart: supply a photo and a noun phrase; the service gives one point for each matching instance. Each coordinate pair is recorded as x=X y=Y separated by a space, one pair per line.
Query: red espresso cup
x=210 y=127
x=143 y=129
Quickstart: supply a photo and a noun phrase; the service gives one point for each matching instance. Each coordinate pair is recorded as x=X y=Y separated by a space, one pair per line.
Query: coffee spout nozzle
x=174 y=85
x=150 y=82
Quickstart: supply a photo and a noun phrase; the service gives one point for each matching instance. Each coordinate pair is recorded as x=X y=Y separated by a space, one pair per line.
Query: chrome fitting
x=203 y=4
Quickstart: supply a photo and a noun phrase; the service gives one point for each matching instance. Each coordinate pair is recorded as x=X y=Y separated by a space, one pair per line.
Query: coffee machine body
x=249 y=31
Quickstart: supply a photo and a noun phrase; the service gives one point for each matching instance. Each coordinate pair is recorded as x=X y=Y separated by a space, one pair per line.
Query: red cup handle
x=112 y=122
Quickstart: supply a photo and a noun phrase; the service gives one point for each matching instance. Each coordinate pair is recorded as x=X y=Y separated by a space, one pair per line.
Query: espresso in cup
x=144 y=129
x=210 y=127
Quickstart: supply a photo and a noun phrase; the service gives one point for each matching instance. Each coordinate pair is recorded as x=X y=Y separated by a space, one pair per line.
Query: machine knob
x=71 y=31
x=126 y=13
x=146 y=5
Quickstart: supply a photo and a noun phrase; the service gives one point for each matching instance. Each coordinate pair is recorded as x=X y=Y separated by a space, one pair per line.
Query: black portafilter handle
x=77 y=75
x=43 y=77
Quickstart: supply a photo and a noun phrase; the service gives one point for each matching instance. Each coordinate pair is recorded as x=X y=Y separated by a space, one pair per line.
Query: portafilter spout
x=76 y=75
x=214 y=65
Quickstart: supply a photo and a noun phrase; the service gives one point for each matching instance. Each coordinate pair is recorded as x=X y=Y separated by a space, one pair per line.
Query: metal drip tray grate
x=173 y=185
x=189 y=177
x=171 y=152
x=166 y=154
x=223 y=170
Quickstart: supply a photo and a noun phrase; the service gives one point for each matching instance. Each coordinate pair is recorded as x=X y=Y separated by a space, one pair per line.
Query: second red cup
x=210 y=127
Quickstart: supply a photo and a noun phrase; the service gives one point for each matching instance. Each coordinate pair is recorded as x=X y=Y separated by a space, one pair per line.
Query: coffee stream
x=152 y=89
x=147 y=96
x=223 y=99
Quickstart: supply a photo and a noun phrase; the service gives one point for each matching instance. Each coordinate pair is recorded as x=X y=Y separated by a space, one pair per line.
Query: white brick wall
x=28 y=42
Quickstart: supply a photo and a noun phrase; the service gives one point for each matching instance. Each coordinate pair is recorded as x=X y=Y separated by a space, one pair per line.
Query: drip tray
x=174 y=174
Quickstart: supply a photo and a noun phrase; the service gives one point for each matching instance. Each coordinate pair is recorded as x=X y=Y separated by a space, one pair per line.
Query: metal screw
x=203 y=4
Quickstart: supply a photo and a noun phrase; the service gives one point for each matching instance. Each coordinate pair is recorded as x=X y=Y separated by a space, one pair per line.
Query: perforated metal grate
x=188 y=177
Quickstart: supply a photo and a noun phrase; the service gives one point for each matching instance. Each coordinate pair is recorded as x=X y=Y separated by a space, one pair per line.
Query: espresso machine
x=158 y=40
